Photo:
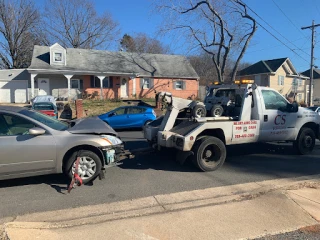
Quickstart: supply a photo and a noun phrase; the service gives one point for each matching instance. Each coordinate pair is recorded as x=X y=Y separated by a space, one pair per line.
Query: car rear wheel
x=209 y=153
x=89 y=165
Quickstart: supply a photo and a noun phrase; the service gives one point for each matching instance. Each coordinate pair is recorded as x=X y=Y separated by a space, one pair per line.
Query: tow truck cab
x=264 y=116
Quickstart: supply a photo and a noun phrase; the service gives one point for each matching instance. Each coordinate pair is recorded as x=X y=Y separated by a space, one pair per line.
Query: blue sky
x=136 y=16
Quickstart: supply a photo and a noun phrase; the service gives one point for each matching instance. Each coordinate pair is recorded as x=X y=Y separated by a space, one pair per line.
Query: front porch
x=67 y=87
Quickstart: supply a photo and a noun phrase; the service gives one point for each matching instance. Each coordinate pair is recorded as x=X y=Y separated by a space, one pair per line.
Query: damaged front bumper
x=114 y=154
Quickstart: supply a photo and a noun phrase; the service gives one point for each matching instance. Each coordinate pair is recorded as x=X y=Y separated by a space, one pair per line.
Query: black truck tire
x=209 y=153
x=305 y=141
x=216 y=111
x=199 y=111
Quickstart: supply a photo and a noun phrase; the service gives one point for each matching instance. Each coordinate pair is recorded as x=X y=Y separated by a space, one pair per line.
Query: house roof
x=316 y=73
x=263 y=66
x=106 y=62
x=14 y=74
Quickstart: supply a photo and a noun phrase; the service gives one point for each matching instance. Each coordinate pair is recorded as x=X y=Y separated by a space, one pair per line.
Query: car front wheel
x=89 y=165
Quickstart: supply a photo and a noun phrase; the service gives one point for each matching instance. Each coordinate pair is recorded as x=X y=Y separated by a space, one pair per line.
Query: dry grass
x=97 y=107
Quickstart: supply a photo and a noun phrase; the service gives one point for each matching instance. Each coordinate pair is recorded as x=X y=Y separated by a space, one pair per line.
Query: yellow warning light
x=216 y=83
x=237 y=81
x=245 y=81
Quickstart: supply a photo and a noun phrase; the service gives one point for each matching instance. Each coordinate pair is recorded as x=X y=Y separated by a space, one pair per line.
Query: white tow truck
x=264 y=116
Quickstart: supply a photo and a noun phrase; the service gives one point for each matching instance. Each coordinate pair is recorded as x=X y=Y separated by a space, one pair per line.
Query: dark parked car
x=129 y=117
x=46 y=105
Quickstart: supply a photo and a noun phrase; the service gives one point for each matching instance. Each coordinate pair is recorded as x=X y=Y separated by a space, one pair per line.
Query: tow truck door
x=277 y=124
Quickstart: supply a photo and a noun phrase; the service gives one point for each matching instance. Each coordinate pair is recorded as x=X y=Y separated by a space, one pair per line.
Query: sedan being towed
x=129 y=117
x=32 y=143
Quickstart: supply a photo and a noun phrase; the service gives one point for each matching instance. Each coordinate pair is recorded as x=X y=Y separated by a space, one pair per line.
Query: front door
x=124 y=87
x=43 y=85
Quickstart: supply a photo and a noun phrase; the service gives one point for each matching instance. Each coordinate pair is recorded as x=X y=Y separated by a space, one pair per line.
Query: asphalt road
x=153 y=174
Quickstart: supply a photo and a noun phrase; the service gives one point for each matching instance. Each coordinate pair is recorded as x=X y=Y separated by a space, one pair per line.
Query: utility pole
x=313 y=26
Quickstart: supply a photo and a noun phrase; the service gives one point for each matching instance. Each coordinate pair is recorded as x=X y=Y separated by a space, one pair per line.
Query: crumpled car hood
x=91 y=125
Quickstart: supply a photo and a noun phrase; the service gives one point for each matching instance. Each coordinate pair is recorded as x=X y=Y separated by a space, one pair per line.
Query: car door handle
x=265 y=118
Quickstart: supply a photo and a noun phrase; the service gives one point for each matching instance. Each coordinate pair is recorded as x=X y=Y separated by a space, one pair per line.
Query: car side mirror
x=36 y=131
x=111 y=114
x=293 y=107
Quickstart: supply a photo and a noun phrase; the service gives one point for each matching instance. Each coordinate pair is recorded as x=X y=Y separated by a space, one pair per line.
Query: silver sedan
x=32 y=143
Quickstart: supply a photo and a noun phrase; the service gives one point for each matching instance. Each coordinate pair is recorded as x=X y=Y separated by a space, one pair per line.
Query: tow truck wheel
x=305 y=141
x=199 y=111
x=89 y=166
x=209 y=153
x=216 y=111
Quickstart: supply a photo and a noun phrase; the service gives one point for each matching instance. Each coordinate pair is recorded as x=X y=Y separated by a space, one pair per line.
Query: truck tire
x=199 y=111
x=305 y=141
x=209 y=153
x=216 y=111
x=89 y=167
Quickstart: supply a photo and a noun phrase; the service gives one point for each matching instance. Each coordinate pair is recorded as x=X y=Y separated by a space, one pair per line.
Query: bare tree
x=141 y=43
x=223 y=29
x=203 y=65
x=19 y=20
x=76 y=24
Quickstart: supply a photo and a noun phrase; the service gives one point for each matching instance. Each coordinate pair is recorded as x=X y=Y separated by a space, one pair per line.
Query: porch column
x=101 y=85
x=69 y=85
x=32 y=84
x=134 y=92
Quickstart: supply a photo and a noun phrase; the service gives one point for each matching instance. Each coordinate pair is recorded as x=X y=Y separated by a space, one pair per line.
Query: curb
x=158 y=204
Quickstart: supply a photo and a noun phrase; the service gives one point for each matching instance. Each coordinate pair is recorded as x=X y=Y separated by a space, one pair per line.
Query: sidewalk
x=234 y=212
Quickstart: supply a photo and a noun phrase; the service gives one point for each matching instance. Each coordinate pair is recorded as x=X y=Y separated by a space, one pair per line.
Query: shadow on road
x=262 y=158
x=59 y=182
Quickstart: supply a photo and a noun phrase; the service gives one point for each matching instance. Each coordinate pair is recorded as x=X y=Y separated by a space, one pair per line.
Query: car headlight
x=111 y=139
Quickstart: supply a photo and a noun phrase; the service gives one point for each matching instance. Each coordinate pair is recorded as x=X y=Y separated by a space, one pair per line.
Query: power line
x=272 y=33
x=289 y=19
x=275 y=30
x=279 y=45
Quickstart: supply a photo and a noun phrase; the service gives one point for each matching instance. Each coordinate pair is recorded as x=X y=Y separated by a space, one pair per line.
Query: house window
x=146 y=83
x=75 y=83
x=58 y=57
x=281 y=80
x=299 y=97
x=179 y=85
x=95 y=82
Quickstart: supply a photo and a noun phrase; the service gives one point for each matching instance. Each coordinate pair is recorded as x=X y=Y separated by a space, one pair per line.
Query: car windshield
x=46 y=120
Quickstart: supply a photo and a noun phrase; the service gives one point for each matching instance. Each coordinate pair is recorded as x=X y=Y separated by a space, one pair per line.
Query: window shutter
x=183 y=85
x=141 y=83
x=110 y=82
x=81 y=84
x=151 y=82
x=92 y=81
x=173 y=84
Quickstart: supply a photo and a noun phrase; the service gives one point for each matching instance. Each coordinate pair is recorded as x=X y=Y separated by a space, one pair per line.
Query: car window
x=46 y=120
x=43 y=106
x=136 y=110
x=120 y=111
x=15 y=125
x=273 y=100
